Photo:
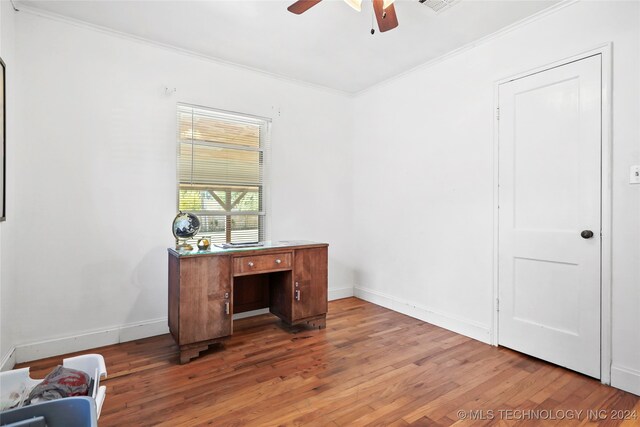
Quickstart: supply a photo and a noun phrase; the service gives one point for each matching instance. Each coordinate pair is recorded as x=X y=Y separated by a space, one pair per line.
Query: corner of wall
x=7 y=39
x=456 y=324
x=626 y=379
x=339 y=293
x=8 y=361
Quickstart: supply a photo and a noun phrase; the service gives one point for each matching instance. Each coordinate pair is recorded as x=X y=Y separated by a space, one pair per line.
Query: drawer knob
x=278 y=261
x=250 y=263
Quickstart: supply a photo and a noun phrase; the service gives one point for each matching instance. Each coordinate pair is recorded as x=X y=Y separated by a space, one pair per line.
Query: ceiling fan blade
x=387 y=19
x=302 y=6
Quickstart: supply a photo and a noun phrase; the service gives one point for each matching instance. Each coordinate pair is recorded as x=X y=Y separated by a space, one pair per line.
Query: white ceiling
x=329 y=45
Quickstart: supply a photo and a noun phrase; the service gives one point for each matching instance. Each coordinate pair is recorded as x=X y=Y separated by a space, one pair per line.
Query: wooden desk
x=207 y=287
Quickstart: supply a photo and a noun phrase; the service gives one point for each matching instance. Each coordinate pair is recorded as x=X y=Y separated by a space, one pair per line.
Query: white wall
x=7 y=37
x=424 y=161
x=95 y=178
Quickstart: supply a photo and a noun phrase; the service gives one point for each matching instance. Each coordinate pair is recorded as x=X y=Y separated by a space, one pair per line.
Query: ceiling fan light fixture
x=387 y=19
x=356 y=4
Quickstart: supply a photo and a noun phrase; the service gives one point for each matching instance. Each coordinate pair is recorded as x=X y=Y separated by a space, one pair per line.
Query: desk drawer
x=261 y=263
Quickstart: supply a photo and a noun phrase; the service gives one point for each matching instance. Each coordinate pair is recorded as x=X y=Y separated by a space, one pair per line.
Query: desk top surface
x=268 y=245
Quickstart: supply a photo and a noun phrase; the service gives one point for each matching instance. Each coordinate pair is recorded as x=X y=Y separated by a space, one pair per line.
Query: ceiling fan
x=383 y=9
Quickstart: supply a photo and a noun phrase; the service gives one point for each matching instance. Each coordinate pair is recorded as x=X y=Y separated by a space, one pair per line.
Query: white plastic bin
x=69 y=412
x=18 y=380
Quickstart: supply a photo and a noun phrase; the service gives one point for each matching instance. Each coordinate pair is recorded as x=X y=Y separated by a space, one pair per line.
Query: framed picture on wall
x=3 y=149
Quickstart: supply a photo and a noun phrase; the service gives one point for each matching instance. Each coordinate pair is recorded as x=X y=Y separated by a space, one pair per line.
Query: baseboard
x=117 y=334
x=8 y=361
x=340 y=293
x=456 y=324
x=626 y=379
x=90 y=339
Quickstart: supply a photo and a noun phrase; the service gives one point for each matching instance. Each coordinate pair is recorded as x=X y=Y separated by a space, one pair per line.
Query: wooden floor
x=370 y=366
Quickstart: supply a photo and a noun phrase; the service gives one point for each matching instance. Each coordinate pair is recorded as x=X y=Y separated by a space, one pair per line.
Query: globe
x=185 y=225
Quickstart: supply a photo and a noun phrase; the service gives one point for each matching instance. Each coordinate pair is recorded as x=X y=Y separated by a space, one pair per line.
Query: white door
x=549 y=204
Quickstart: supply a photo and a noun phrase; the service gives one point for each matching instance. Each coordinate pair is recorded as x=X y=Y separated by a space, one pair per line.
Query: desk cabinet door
x=310 y=283
x=205 y=298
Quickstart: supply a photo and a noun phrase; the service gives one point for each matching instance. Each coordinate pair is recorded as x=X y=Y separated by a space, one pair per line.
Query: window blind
x=221 y=172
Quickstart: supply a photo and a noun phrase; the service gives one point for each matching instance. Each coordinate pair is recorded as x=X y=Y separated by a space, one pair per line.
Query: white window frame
x=265 y=148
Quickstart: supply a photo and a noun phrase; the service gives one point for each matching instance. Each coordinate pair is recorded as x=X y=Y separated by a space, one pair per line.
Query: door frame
x=605 y=51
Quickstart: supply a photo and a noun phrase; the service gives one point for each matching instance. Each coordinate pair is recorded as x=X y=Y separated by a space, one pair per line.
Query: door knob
x=586 y=234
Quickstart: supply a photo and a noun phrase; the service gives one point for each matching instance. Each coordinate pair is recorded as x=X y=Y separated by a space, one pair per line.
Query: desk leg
x=191 y=351
x=319 y=322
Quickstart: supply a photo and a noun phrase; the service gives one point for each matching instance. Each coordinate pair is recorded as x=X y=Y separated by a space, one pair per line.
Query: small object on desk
x=240 y=245
x=185 y=226
x=204 y=243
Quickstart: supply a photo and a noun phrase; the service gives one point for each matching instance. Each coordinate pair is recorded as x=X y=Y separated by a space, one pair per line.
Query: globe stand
x=184 y=246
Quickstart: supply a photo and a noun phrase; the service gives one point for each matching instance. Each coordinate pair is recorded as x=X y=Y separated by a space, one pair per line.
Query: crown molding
x=499 y=33
x=171 y=48
x=218 y=61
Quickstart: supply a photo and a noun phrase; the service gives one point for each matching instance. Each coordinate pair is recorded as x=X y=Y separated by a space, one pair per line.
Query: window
x=221 y=170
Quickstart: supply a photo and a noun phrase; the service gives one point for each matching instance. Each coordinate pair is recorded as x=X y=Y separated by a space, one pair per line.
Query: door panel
x=549 y=179
x=205 y=304
x=535 y=281
x=310 y=283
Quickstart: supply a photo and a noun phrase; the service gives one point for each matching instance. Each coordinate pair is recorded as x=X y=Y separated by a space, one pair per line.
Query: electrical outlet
x=634 y=174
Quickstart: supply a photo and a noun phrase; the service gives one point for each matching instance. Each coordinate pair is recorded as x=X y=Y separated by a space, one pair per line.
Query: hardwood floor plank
x=370 y=366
